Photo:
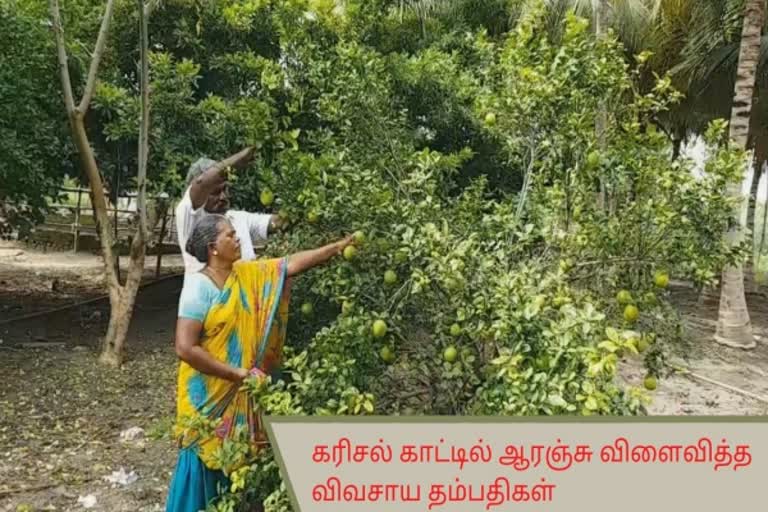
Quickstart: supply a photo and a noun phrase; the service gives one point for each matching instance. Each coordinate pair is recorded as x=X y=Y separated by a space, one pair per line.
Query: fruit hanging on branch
x=624 y=297
x=631 y=313
x=387 y=354
x=390 y=277
x=661 y=279
x=267 y=197
x=350 y=252
x=379 y=329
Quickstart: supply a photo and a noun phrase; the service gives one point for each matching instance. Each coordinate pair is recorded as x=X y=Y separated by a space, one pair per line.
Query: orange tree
x=519 y=298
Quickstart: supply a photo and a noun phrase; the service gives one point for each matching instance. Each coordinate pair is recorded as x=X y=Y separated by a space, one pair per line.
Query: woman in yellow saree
x=231 y=324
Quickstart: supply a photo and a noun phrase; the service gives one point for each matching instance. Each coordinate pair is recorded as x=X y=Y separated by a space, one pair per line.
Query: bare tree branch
x=66 y=83
x=96 y=57
x=144 y=128
x=90 y=167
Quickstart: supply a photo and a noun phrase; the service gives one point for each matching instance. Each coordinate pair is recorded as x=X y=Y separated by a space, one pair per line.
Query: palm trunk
x=734 y=327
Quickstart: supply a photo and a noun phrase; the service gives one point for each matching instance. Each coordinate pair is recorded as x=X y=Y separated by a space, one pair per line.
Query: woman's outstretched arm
x=305 y=260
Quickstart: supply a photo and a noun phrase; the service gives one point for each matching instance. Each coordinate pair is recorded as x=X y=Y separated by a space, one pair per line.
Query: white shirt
x=250 y=228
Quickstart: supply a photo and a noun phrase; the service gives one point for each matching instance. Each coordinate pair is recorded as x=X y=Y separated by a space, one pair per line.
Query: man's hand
x=277 y=223
x=246 y=157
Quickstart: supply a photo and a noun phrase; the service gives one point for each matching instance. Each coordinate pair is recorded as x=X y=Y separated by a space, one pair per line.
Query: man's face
x=218 y=200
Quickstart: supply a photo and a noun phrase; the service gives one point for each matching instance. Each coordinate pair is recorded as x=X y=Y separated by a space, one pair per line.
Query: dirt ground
x=62 y=415
x=747 y=370
x=32 y=281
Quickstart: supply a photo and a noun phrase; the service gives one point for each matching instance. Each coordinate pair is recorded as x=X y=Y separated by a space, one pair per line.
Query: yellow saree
x=244 y=327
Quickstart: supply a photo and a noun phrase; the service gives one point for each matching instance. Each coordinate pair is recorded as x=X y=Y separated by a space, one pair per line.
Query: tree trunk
x=601 y=121
x=122 y=302
x=101 y=213
x=734 y=327
x=117 y=331
x=121 y=298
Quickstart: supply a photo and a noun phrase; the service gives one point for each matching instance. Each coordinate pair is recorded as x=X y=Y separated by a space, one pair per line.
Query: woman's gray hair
x=203 y=235
x=198 y=168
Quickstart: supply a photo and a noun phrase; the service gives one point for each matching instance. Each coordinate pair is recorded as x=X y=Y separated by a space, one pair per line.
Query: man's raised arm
x=215 y=176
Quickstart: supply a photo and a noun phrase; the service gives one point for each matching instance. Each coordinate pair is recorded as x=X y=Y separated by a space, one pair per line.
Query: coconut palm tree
x=631 y=20
x=733 y=326
x=704 y=37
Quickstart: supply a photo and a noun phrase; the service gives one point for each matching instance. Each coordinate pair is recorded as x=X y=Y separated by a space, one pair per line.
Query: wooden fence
x=79 y=219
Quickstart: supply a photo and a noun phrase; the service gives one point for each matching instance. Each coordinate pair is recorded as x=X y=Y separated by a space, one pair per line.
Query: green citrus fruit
x=624 y=297
x=661 y=279
x=631 y=313
x=642 y=345
x=650 y=383
x=401 y=256
x=358 y=237
x=455 y=330
x=490 y=119
x=346 y=307
x=307 y=309
x=350 y=252
x=312 y=217
x=390 y=277
x=267 y=197
x=593 y=159
x=379 y=328
x=450 y=354
x=387 y=355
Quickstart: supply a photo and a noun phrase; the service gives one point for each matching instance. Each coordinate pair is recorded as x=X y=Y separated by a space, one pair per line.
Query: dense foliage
x=512 y=291
x=511 y=256
x=33 y=127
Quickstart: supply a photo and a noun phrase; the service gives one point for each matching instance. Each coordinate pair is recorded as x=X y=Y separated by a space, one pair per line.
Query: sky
x=696 y=151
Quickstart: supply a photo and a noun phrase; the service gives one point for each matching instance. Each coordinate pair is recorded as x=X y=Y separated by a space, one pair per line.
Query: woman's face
x=227 y=243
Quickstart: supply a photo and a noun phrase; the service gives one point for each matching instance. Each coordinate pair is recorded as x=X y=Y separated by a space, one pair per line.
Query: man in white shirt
x=207 y=193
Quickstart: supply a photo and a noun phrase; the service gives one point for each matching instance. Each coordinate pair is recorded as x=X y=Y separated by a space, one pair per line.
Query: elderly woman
x=231 y=324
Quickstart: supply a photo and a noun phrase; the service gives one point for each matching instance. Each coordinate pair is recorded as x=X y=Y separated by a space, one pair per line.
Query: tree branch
x=141 y=199
x=66 y=83
x=96 y=58
x=139 y=244
x=90 y=167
